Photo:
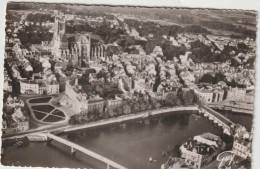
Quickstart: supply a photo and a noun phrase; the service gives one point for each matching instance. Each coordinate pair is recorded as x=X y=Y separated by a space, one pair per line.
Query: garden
x=43 y=111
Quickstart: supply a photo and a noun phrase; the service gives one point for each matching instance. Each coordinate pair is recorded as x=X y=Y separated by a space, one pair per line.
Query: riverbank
x=124 y=118
x=142 y=138
x=115 y=120
x=17 y=141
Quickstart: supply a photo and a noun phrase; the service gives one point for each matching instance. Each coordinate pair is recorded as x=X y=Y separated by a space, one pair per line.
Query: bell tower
x=58 y=31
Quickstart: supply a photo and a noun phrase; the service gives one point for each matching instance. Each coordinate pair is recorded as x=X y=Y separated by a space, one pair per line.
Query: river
x=130 y=145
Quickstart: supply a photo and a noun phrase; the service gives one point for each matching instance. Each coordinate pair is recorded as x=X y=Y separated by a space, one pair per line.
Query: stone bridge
x=217 y=118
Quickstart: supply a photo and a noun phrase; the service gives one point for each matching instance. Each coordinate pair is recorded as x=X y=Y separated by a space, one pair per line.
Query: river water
x=130 y=145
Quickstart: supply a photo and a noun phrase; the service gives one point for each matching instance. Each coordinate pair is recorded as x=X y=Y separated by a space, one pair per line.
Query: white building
x=204 y=95
x=74 y=98
x=53 y=87
x=32 y=87
x=29 y=87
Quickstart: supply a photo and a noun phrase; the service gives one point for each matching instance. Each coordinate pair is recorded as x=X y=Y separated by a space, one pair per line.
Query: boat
x=150 y=159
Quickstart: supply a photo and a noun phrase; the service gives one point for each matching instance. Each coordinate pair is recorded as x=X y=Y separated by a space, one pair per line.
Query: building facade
x=236 y=94
x=201 y=150
x=32 y=87
x=204 y=95
x=242 y=145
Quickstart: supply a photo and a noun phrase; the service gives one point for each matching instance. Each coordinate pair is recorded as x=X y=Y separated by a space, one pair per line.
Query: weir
x=75 y=147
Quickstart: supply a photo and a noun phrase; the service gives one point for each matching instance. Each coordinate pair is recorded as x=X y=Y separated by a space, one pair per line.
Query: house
x=112 y=103
x=249 y=98
x=12 y=102
x=184 y=58
x=96 y=103
x=21 y=122
x=28 y=67
x=53 y=87
x=7 y=85
x=158 y=50
x=46 y=64
x=242 y=145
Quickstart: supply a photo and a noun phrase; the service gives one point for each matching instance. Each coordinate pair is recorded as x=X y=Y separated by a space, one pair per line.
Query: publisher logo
x=226 y=158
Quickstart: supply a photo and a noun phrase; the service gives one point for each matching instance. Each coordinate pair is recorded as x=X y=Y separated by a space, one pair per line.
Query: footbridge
x=217 y=118
x=75 y=147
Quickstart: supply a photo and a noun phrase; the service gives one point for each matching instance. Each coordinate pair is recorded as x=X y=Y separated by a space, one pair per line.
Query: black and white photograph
x=128 y=87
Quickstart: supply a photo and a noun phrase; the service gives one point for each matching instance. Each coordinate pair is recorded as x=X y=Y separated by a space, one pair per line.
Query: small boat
x=150 y=159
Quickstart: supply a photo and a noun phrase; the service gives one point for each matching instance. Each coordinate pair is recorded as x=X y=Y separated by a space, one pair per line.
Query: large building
x=236 y=94
x=204 y=95
x=209 y=95
x=82 y=49
x=74 y=98
x=201 y=150
x=33 y=87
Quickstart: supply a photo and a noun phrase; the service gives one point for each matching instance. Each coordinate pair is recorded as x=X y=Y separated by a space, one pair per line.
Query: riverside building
x=201 y=150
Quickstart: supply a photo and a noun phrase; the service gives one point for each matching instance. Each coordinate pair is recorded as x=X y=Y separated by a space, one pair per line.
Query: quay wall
x=129 y=117
x=36 y=135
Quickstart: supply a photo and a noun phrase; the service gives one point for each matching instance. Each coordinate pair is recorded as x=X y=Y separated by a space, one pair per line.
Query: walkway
x=85 y=151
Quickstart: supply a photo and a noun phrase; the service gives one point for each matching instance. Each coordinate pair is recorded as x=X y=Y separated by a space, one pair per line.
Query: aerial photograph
x=127 y=87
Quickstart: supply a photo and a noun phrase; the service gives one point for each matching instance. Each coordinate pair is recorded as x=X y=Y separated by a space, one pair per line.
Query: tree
x=155 y=104
x=16 y=86
x=207 y=78
x=135 y=107
x=189 y=97
x=172 y=99
x=111 y=112
x=36 y=65
x=219 y=77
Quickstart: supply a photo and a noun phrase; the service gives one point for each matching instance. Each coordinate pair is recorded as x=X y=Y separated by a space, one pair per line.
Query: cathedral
x=82 y=49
